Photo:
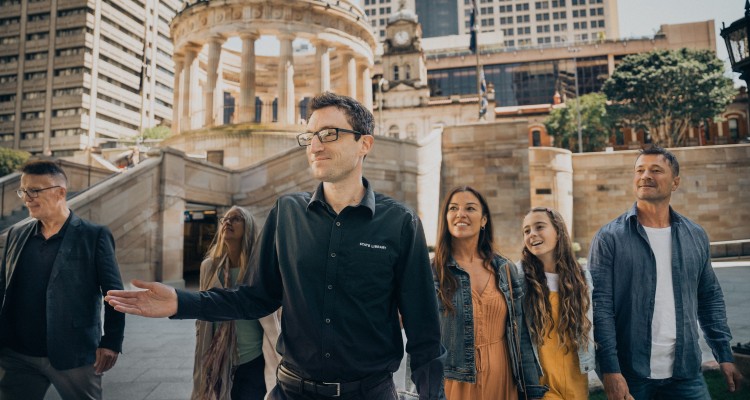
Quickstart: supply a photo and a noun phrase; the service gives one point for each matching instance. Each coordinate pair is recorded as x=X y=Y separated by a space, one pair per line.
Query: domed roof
x=403 y=14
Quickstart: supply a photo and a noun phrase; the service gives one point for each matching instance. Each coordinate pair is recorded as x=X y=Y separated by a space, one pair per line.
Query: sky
x=643 y=17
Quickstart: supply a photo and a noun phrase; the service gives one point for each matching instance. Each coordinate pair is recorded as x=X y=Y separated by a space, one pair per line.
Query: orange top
x=494 y=373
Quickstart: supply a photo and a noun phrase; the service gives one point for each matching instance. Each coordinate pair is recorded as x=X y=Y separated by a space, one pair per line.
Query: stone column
x=610 y=64
x=366 y=87
x=286 y=63
x=351 y=75
x=212 y=77
x=176 y=98
x=189 y=81
x=247 y=78
x=323 y=66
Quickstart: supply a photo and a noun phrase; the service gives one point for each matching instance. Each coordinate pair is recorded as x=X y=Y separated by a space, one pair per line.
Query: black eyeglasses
x=33 y=193
x=231 y=220
x=324 y=135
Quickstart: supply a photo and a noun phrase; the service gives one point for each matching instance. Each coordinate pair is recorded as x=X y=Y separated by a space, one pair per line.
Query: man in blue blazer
x=54 y=271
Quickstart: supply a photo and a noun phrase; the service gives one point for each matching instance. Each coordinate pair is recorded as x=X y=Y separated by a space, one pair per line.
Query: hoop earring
x=482 y=228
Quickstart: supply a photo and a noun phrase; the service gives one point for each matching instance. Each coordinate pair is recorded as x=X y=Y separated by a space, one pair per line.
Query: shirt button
x=333 y=254
x=328 y=320
x=338 y=223
x=330 y=287
x=328 y=355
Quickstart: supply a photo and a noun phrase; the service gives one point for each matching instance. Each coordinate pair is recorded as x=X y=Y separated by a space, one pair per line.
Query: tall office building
x=521 y=23
x=77 y=74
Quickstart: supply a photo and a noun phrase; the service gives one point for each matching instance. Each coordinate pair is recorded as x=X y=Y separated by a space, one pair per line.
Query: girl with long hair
x=234 y=359
x=557 y=305
x=479 y=295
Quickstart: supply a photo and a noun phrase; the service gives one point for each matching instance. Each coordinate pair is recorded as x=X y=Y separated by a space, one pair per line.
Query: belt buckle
x=338 y=388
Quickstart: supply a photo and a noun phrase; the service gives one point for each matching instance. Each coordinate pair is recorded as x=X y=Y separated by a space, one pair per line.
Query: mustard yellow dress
x=494 y=373
x=562 y=373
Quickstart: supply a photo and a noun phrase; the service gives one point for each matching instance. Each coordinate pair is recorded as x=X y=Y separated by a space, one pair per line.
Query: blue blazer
x=84 y=270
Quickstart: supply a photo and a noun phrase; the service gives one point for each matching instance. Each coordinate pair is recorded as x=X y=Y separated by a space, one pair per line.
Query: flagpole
x=475 y=28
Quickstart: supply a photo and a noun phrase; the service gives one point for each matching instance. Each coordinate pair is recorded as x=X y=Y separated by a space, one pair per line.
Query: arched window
x=303 y=106
x=275 y=110
x=407 y=72
x=395 y=72
x=536 y=138
x=393 y=131
x=734 y=128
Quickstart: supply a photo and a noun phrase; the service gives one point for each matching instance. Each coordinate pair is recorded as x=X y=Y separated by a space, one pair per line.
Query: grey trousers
x=28 y=378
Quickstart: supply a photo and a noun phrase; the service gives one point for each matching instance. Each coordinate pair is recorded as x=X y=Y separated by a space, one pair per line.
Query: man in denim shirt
x=652 y=280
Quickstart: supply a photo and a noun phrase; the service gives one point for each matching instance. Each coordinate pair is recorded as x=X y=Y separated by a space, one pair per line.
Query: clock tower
x=404 y=68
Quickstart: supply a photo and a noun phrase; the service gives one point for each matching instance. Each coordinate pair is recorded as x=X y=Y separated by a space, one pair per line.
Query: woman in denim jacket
x=557 y=305
x=489 y=351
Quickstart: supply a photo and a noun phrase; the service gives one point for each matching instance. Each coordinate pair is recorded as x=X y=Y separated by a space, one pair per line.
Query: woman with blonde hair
x=234 y=359
x=479 y=296
x=557 y=305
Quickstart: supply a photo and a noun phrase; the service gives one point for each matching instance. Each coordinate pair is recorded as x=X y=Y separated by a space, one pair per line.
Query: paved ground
x=157 y=362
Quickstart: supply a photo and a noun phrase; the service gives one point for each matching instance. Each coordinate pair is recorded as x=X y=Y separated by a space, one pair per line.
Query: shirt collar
x=632 y=215
x=60 y=233
x=368 y=200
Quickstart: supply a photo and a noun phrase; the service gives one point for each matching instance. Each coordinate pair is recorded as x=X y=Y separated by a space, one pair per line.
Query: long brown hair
x=219 y=249
x=574 y=325
x=444 y=250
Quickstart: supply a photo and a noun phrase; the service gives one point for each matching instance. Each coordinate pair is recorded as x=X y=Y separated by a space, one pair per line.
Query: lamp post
x=736 y=37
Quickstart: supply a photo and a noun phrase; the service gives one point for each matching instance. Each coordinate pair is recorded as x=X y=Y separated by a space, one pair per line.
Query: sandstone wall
x=494 y=159
x=713 y=190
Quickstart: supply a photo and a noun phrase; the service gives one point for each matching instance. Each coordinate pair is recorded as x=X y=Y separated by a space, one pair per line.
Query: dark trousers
x=28 y=378
x=249 y=383
x=668 y=389
x=385 y=390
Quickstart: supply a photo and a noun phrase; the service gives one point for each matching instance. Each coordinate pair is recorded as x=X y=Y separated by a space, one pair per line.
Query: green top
x=249 y=332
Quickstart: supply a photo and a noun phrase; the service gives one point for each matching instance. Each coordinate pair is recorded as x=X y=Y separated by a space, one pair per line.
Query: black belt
x=292 y=381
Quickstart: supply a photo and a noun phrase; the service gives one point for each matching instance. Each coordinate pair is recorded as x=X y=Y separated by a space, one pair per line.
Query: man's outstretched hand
x=156 y=301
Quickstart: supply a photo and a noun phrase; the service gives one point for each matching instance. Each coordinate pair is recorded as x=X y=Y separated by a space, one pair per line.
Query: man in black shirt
x=344 y=262
x=55 y=268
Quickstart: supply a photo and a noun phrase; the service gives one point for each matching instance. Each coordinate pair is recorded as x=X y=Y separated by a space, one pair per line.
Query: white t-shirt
x=664 y=322
x=553 y=281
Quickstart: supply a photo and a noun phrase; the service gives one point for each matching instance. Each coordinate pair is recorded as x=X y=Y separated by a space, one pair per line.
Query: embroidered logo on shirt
x=373 y=246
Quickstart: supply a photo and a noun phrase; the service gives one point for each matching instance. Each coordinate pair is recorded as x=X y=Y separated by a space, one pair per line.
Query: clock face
x=401 y=37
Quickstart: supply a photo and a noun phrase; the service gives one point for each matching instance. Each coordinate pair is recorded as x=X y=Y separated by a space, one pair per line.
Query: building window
x=395 y=73
x=407 y=72
x=536 y=138
x=734 y=128
x=393 y=131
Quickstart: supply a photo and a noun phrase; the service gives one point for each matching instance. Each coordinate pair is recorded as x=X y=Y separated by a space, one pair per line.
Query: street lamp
x=736 y=38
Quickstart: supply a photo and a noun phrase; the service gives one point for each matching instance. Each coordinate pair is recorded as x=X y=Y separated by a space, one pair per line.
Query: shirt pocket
x=368 y=274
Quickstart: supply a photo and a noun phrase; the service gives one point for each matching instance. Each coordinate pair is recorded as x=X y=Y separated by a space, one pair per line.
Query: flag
x=482 y=94
x=473 y=27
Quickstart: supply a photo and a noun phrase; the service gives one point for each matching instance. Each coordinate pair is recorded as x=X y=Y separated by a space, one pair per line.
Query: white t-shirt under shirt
x=552 y=281
x=664 y=322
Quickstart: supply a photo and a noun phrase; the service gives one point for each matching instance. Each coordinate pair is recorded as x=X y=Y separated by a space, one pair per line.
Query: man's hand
x=616 y=387
x=105 y=360
x=732 y=375
x=157 y=301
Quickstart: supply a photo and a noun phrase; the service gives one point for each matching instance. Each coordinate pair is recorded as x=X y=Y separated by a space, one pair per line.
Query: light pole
x=578 y=100
x=736 y=38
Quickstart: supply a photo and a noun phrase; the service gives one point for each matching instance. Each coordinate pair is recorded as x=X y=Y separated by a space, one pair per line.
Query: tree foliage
x=11 y=160
x=596 y=123
x=157 y=132
x=667 y=91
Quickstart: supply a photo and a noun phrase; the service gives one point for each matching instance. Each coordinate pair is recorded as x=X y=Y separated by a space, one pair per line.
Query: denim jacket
x=586 y=356
x=457 y=331
x=624 y=271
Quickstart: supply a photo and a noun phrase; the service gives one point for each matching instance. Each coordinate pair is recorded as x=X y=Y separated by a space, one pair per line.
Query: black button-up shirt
x=342 y=281
x=27 y=295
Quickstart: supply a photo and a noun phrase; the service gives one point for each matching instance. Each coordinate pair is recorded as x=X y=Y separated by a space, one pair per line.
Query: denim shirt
x=624 y=271
x=586 y=356
x=457 y=331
